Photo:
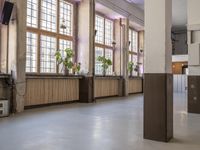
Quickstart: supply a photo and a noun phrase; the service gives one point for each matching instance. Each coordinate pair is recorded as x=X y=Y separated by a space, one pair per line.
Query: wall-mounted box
x=194 y=54
x=4 y=108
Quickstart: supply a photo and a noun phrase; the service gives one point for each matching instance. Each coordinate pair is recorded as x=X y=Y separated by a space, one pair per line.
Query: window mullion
x=39 y=46
x=104 y=38
x=38 y=53
x=58 y=31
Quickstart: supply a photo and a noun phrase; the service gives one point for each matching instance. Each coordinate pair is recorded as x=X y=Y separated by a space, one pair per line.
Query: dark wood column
x=194 y=94
x=158 y=107
x=158 y=78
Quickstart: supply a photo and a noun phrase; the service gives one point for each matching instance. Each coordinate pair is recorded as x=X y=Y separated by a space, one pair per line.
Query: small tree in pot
x=130 y=68
x=106 y=62
x=65 y=59
x=76 y=68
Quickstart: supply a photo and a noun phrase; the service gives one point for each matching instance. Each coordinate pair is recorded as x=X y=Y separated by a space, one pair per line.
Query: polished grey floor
x=111 y=124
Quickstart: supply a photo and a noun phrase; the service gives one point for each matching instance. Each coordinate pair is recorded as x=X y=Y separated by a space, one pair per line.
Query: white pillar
x=86 y=34
x=158 y=49
x=194 y=37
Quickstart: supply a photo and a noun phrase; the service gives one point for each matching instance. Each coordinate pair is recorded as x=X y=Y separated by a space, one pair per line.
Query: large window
x=103 y=42
x=133 y=50
x=49 y=28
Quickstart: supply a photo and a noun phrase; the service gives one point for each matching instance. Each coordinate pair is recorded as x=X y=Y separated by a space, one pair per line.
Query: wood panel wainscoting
x=50 y=90
x=135 y=85
x=4 y=87
x=107 y=86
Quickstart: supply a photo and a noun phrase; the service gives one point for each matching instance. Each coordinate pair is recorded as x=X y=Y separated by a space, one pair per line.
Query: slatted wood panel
x=135 y=85
x=49 y=91
x=3 y=89
x=106 y=87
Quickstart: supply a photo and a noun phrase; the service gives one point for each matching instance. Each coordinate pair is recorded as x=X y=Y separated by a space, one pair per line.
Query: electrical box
x=4 y=108
x=194 y=54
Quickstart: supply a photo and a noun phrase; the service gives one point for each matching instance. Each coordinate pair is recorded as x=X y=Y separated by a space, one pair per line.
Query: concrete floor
x=114 y=124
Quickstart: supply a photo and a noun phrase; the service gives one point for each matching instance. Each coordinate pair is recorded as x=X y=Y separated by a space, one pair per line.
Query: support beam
x=125 y=54
x=17 y=52
x=158 y=80
x=86 y=55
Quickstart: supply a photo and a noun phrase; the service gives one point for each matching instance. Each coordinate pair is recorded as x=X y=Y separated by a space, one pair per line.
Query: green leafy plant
x=77 y=67
x=65 y=59
x=130 y=67
x=106 y=62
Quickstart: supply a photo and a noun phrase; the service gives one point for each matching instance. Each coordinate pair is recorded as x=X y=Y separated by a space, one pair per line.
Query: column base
x=158 y=107
x=86 y=92
x=194 y=94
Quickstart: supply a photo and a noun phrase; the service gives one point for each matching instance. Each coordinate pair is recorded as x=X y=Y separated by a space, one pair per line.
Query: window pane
x=48 y=15
x=63 y=44
x=130 y=57
x=135 y=61
x=99 y=27
x=98 y=65
x=32 y=13
x=130 y=40
x=31 y=52
x=108 y=32
x=109 y=55
x=47 y=54
x=135 y=41
x=141 y=70
x=66 y=17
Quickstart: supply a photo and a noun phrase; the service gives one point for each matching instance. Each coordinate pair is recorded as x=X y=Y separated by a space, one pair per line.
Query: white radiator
x=4 y=108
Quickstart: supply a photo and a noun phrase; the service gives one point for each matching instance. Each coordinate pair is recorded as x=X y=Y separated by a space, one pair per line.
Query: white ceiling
x=114 y=15
x=179 y=12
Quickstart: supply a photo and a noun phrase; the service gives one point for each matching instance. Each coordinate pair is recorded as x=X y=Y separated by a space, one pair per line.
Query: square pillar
x=194 y=56
x=86 y=48
x=15 y=50
x=158 y=79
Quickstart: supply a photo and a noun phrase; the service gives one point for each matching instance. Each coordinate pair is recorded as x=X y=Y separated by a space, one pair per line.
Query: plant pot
x=104 y=72
x=66 y=72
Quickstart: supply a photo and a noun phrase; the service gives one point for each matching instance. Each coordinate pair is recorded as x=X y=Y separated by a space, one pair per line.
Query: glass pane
x=63 y=44
x=32 y=13
x=130 y=40
x=31 y=52
x=48 y=15
x=108 y=32
x=66 y=18
x=99 y=27
x=109 y=55
x=135 y=61
x=98 y=65
x=47 y=54
x=135 y=41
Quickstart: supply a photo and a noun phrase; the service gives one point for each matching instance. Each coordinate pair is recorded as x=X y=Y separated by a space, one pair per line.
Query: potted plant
x=76 y=68
x=130 y=67
x=65 y=59
x=106 y=62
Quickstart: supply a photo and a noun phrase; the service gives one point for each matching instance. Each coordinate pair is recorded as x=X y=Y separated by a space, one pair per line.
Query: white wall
x=193 y=12
x=180 y=58
x=194 y=36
